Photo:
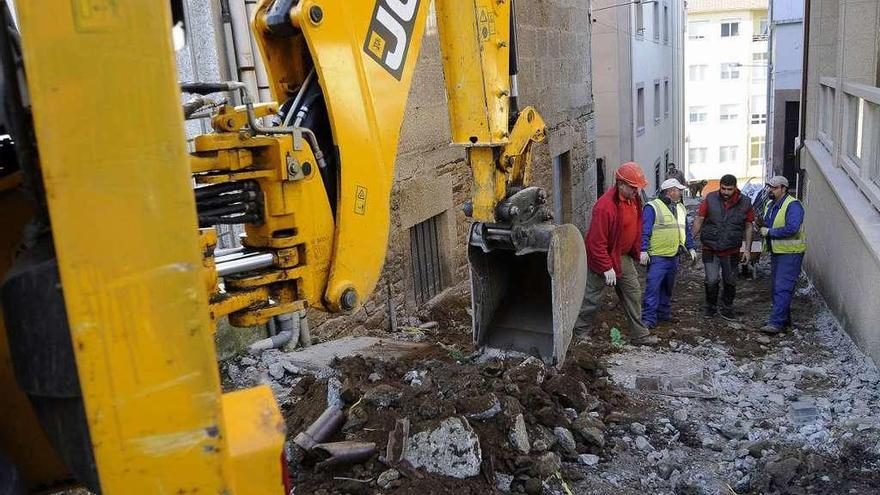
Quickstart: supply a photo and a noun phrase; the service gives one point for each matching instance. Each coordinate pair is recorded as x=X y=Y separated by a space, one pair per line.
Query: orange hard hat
x=631 y=173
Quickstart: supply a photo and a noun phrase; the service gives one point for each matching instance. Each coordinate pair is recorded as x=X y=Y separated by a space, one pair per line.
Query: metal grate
x=426 y=260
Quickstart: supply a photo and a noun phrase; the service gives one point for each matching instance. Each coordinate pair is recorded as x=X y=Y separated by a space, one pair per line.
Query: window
x=426 y=259
x=640 y=19
x=757 y=150
x=759 y=110
x=666 y=98
x=657 y=181
x=562 y=187
x=729 y=113
x=697 y=72
x=696 y=156
x=764 y=27
x=697 y=115
x=640 y=108
x=656 y=20
x=656 y=102
x=727 y=154
x=730 y=70
x=698 y=30
x=666 y=23
x=759 y=66
x=729 y=28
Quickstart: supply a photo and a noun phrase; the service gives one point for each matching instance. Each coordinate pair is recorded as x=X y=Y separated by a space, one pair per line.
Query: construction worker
x=665 y=235
x=613 y=244
x=724 y=219
x=784 y=239
x=672 y=172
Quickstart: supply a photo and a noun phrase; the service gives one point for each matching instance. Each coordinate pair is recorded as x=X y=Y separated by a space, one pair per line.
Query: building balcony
x=760 y=37
x=849 y=129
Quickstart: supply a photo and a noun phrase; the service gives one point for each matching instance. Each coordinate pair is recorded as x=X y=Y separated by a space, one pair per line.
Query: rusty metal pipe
x=340 y=453
x=327 y=423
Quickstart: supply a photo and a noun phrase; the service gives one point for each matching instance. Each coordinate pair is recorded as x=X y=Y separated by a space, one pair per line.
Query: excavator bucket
x=529 y=302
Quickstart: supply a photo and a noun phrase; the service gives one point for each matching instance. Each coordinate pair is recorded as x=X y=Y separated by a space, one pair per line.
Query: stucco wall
x=843 y=256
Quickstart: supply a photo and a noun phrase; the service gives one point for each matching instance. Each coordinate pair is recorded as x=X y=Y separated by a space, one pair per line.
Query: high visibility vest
x=789 y=245
x=669 y=230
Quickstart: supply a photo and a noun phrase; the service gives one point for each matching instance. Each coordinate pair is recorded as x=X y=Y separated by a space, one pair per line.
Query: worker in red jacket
x=614 y=244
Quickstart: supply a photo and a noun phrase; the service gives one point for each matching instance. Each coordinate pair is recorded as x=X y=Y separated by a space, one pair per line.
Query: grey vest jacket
x=723 y=228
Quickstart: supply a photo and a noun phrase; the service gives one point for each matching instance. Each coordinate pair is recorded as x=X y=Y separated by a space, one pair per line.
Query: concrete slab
x=672 y=374
x=318 y=357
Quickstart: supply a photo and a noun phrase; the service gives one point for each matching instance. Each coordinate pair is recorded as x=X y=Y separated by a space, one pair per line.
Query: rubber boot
x=711 y=300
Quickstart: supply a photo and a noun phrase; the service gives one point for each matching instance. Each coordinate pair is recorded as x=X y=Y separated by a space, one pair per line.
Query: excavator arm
x=341 y=72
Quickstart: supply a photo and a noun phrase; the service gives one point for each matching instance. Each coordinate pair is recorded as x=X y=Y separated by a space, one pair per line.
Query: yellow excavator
x=111 y=280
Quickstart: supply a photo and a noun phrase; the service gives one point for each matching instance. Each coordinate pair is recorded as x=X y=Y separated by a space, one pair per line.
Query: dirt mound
x=528 y=418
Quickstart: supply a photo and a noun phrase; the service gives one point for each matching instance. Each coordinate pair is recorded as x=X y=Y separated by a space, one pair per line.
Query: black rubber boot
x=711 y=300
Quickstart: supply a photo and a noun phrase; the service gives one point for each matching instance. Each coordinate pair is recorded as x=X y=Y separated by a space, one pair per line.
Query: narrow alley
x=716 y=408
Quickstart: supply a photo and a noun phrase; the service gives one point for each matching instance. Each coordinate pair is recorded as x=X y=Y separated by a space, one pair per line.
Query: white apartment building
x=638 y=70
x=726 y=88
x=786 y=59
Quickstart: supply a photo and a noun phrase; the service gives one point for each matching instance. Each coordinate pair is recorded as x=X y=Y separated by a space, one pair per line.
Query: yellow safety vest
x=669 y=230
x=789 y=245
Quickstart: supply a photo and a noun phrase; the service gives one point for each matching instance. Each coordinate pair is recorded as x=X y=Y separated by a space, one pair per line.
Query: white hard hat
x=778 y=181
x=670 y=183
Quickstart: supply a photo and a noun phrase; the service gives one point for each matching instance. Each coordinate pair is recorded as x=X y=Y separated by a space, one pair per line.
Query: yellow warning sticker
x=377 y=44
x=360 y=202
x=486 y=24
x=96 y=15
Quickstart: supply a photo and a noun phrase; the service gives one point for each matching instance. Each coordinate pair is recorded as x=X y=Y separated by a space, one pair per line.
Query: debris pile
x=717 y=408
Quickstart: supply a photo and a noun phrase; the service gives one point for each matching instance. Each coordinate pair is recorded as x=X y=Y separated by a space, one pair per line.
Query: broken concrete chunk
x=519 y=435
x=383 y=395
x=452 y=449
x=638 y=428
x=481 y=408
x=643 y=444
x=565 y=440
x=503 y=482
x=588 y=459
x=680 y=415
x=385 y=479
x=803 y=412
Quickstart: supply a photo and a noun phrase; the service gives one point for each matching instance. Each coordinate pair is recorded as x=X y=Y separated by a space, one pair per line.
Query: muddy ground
x=716 y=408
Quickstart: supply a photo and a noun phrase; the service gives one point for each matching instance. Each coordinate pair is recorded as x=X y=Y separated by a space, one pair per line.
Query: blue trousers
x=658 y=289
x=784 y=272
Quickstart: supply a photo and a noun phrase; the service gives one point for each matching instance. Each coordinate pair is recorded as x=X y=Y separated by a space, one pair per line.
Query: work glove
x=693 y=253
x=764 y=231
x=610 y=278
x=644 y=259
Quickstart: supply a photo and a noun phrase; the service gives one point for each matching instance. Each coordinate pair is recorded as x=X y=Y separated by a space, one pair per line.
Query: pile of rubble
x=716 y=409
x=438 y=419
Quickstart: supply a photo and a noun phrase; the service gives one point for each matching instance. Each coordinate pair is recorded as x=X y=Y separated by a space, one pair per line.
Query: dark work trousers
x=720 y=269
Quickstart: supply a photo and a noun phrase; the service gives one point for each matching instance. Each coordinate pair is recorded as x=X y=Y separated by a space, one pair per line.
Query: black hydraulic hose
x=514 y=66
x=208 y=221
x=229 y=210
x=216 y=189
x=226 y=199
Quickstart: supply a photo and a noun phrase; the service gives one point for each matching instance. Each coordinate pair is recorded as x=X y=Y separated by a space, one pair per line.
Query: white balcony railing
x=849 y=128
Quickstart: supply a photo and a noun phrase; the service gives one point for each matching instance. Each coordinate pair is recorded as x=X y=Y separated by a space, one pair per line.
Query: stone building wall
x=432 y=178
